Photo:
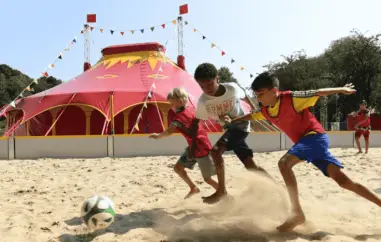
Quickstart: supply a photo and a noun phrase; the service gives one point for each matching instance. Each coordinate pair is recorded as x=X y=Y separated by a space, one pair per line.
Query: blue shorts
x=314 y=148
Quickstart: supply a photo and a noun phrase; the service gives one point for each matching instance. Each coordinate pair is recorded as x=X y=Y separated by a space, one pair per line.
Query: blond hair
x=178 y=94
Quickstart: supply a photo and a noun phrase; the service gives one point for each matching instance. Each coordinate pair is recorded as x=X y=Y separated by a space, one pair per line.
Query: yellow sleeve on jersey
x=257 y=116
x=301 y=103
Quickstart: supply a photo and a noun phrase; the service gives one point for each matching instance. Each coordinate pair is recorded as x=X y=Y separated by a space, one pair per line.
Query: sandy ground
x=41 y=201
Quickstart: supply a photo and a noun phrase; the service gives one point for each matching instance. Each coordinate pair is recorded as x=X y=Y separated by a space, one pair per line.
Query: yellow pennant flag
x=174 y=21
x=27 y=88
x=213 y=45
x=101 y=30
x=242 y=68
x=136 y=127
x=194 y=30
x=145 y=105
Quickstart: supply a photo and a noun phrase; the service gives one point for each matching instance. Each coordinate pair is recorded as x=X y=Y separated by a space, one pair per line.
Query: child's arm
x=256 y=115
x=168 y=132
x=347 y=90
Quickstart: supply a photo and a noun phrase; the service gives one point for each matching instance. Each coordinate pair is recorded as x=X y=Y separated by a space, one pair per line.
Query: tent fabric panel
x=71 y=122
x=97 y=121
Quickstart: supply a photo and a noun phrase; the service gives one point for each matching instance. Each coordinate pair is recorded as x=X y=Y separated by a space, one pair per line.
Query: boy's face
x=209 y=87
x=266 y=96
x=362 y=106
x=175 y=104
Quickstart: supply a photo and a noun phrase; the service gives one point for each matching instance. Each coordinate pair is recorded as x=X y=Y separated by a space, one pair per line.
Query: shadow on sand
x=147 y=218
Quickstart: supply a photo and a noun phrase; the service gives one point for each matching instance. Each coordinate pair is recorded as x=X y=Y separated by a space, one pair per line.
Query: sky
x=252 y=32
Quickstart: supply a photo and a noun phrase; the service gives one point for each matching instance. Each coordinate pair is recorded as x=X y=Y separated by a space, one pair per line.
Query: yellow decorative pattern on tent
x=153 y=57
x=107 y=76
x=157 y=76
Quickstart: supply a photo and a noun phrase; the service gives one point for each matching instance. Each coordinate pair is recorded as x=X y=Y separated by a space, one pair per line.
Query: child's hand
x=348 y=89
x=154 y=136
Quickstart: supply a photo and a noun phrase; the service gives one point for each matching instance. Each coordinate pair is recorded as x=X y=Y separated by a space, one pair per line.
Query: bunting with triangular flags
x=132 y=31
x=213 y=45
x=35 y=81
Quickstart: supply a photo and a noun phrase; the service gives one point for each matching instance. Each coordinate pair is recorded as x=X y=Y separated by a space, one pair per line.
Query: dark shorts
x=235 y=140
x=314 y=148
x=360 y=132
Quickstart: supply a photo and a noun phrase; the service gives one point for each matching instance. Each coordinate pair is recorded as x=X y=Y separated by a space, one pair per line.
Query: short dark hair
x=363 y=102
x=205 y=72
x=265 y=80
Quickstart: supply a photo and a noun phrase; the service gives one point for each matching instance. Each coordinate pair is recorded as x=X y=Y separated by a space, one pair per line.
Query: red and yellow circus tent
x=128 y=81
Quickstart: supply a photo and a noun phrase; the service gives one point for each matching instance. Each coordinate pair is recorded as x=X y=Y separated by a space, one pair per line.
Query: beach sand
x=41 y=201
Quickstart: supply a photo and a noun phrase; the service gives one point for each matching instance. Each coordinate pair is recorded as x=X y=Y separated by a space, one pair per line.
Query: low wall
x=140 y=145
x=60 y=147
x=4 y=147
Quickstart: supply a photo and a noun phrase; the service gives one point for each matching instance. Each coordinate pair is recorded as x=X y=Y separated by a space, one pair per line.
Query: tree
x=353 y=59
x=13 y=82
x=226 y=75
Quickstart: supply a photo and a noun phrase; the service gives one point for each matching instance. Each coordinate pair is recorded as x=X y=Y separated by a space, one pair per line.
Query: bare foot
x=192 y=192
x=292 y=222
x=215 y=197
x=359 y=152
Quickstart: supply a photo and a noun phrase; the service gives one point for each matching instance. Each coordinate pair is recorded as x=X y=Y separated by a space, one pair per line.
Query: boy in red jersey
x=362 y=126
x=199 y=145
x=289 y=112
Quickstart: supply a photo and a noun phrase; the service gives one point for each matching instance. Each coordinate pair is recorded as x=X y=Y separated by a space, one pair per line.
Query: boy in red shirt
x=362 y=126
x=289 y=111
x=199 y=146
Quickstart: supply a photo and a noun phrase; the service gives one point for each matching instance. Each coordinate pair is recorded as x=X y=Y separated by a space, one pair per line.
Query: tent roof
x=126 y=71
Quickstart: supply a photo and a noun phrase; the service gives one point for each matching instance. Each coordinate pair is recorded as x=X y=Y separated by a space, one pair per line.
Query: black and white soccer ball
x=98 y=212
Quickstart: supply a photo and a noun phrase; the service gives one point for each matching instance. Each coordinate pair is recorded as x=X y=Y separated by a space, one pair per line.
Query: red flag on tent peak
x=184 y=9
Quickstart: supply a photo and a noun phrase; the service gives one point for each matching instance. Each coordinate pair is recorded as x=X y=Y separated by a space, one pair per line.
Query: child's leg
x=285 y=166
x=216 y=154
x=180 y=170
x=366 y=138
x=358 y=134
x=208 y=169
x=218 y=149
x=345 y=182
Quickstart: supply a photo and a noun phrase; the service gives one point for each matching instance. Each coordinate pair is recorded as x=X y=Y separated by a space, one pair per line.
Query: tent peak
x=128 y=48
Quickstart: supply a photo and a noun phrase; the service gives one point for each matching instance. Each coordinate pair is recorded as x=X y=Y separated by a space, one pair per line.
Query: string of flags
x=214 y=46
x=132 y=31
x=43 y=73
x=149 y=96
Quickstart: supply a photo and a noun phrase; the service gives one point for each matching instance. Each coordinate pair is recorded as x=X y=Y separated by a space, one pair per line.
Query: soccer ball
x=98 y=212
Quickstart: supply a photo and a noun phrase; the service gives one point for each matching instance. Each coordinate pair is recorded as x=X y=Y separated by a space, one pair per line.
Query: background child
x=362 y=126
x=219 y=101
x=289 y=111
x=199 y=146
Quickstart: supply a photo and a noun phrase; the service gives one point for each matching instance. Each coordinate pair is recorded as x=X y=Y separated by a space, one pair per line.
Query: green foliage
x=352 y=59
x=225 y=75
x=12 y=82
